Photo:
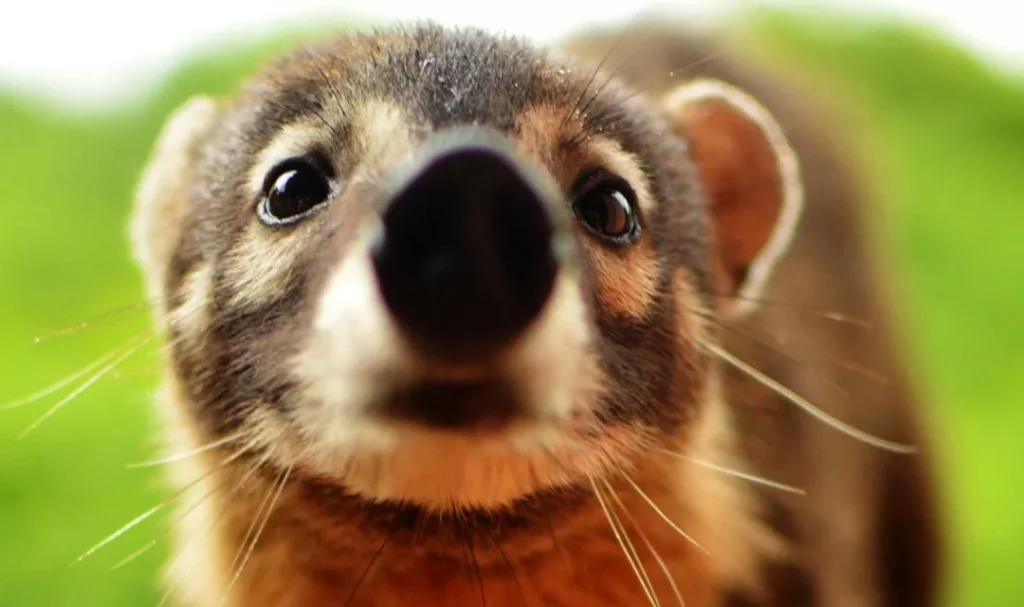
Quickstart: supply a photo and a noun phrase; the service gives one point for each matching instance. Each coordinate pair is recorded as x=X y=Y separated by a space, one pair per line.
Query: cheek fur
x=626 y=280
x=190 y=318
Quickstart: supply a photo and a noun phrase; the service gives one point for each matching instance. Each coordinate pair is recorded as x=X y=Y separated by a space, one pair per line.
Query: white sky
x=92 y=50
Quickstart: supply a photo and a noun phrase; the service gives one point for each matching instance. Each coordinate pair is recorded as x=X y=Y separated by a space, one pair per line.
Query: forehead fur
x=440 y=77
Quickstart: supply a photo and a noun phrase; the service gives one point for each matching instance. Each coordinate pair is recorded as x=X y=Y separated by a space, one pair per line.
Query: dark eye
x=292 y=190
x=605 y=205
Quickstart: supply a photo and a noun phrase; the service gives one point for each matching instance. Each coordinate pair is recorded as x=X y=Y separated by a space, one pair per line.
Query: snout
x=468 y=251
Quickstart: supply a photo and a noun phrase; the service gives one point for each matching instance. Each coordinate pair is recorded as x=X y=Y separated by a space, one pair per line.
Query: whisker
x=750 y=335
x=134 y=555
x=119 y=312
x=662 y=514
x=149 y=513
x=550 y=524
x=830 y=315
x=631 y=546
x=170 y=528
x=512 y=570
x=366 y=571
x=589 y=127
x=166 y=597
x=335 y=95
x=558 y=549
x=672 y=75
x=760 y=480
x=177 y=457
x=840 y=362
x=618 y=536
x=280 y=485
x=634 y=89
x=807 y=406
x=650 y=546
x=861 y=370
x=689 y=67
x=590 y=81
x=465 y=550
x=611 y=76
x=216 y=521
x=86 y=384
x=122 y=530
x=254 y=523
x=476 y=563
x=70 y=379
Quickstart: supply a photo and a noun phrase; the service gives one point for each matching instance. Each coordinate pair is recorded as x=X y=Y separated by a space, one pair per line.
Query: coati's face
x=451 y=270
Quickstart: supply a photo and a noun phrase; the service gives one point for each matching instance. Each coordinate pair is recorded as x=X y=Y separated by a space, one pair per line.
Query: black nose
x=465 y=260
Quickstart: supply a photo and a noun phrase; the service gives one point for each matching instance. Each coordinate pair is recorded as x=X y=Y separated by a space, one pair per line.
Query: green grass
x=942 y=137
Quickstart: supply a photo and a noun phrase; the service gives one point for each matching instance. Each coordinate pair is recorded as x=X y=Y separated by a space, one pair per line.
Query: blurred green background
x=942 y=137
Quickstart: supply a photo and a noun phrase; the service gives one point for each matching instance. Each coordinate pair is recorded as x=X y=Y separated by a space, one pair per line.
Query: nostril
x=465 y=258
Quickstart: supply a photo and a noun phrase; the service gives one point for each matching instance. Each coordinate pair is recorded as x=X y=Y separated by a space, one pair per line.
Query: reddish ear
x=751 y=178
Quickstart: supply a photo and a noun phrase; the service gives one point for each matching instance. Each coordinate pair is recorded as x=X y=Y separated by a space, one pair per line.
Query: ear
x=751 y=178
x=162 y=197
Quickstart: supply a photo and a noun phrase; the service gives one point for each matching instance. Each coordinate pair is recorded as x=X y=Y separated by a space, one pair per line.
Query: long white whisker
x=760 y=480
x=216 y=521
x=70 y=379
x=121 y=531
x=807 y=406
x=838 y=361
x=662 y=514
x=259 y=532
x=157 y=508
x=618 y=536
x=131 y=557
x=650 y=546
x=86 y=384
x=831 y=315
x=177 y=457
x=629 y=543
x=251 y=530
x=116 y=313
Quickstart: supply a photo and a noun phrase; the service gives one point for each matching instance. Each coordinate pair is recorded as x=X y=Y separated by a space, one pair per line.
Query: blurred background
x=934 y=102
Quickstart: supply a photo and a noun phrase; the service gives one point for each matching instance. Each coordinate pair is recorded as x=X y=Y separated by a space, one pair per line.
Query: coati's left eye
x=605 y=205
x=292 y=190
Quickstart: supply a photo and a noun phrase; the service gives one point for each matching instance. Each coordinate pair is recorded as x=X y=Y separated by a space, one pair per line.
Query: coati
x=454 y=319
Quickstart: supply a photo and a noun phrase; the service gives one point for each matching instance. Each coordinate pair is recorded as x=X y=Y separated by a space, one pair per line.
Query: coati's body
x=337 y=409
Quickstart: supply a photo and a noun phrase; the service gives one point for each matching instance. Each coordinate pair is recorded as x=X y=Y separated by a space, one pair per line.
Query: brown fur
x=281 y=340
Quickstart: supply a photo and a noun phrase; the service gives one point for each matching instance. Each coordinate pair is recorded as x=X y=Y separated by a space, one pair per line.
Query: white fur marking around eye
x=627 y=166
x=789 y=171
x=383 y=136
x=292 y=140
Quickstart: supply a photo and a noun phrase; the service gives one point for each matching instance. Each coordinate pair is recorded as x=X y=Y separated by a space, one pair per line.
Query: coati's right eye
x=605 y=205
x=292 y=191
